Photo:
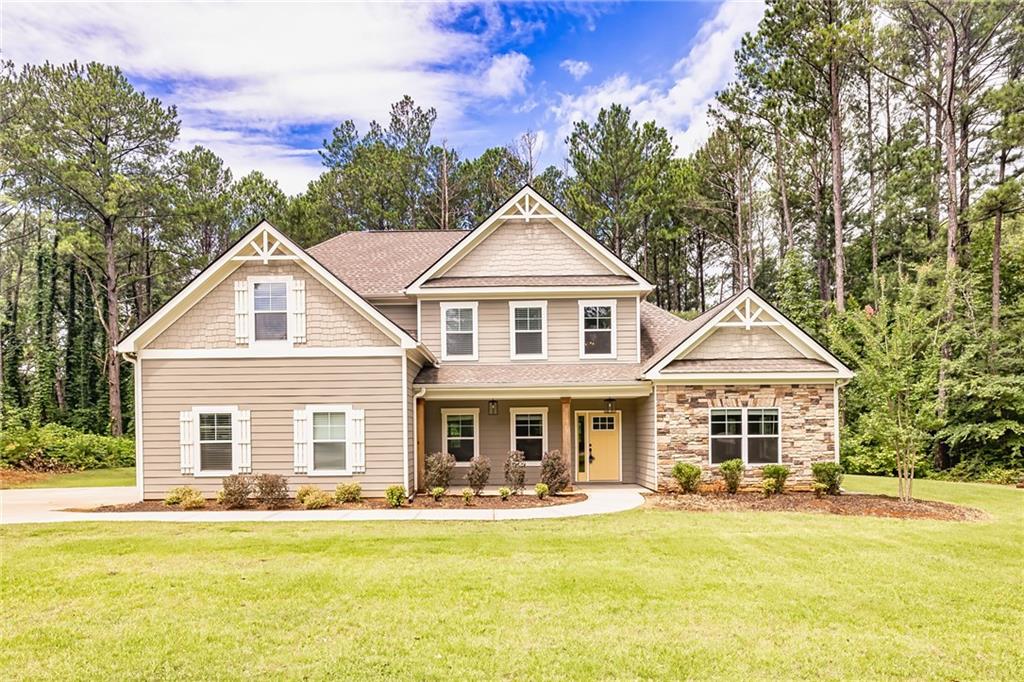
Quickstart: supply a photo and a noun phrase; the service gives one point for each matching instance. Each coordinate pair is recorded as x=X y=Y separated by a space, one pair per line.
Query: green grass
x=80 y=479
x=644 y=594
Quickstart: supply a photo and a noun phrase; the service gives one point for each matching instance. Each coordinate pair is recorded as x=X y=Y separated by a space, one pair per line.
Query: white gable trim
x=749 y=306
x=258 y=238
x=534 y=207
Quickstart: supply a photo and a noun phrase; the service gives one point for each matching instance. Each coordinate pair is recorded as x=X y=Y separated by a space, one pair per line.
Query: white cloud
x=232 y=68
x=575 y=68
x=680 y=105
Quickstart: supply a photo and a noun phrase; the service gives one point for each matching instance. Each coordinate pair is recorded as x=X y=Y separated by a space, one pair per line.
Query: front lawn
x=646 y=594
x=88 y=478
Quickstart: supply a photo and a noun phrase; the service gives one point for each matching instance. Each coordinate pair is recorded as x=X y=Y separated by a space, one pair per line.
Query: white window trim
x=455 y=411
x=287 y=342
x=614 y=330
x=543 y=411
x=197 y=470
x=311 y=470
x=445 y=307
x=512 y=307
x=744 y=435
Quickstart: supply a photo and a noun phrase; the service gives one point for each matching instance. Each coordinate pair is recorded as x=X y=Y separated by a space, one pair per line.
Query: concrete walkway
x=44 y=505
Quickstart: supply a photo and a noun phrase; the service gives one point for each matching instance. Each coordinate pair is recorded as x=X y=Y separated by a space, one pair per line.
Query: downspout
x=415 y=442
x=136 y=363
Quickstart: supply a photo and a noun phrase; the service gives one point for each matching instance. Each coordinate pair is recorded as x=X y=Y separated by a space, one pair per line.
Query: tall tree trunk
x=872 y=221
x=997 y=238
x=836 y=133
x=780 y=178
x=112 y=328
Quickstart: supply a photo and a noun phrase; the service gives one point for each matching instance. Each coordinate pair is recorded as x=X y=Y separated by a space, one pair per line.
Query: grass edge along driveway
x=643 y=594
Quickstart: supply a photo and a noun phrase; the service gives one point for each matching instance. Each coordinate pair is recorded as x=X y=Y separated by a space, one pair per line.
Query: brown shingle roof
x=751 y=365
x=383 y=263
x=531 y=281
x=661 y=331
x=539 y=374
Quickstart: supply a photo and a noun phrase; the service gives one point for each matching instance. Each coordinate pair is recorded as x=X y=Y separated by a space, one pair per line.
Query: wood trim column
x=421 y=429
x=567 y=438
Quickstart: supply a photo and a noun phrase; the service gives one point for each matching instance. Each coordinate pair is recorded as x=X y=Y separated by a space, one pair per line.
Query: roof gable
x=745 y=328
x=529 y=234
x=263 y=244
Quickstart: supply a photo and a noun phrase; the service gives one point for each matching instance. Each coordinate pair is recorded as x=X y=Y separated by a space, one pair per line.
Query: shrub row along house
x=352 y=359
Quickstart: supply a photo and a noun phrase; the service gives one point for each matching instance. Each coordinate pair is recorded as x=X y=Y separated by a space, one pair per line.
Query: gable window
x=270 y=310
x=751 y=434
x=329 y=441
x=216 y=443
x=460 y=433
x=458 y=331
x=528 y=321
x=529 y=432
x=597 y=329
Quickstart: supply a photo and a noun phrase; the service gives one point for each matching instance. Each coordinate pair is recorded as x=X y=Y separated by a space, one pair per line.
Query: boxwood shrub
x=687 y=475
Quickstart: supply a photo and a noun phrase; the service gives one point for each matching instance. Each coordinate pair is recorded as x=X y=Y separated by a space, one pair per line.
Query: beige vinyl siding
x=271 y=388
x=563 y=330
x=645 y=441
x=402 y=314
x=411 y=370
x=530 y=248
x=330 y=321
x=495 y=433
x=738 y=342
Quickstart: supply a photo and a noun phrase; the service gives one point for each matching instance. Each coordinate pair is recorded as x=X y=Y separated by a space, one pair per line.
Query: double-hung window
x=528 y=321
x=216 y=443
x=270 y=309
x=751 y=434
x=458 y=331
x=329 y=442
x=529 y=431
x=597 y=329
x=460 y=428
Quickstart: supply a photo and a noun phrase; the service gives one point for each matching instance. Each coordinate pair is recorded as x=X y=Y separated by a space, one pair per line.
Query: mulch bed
x=855 y=504
x=419 y=502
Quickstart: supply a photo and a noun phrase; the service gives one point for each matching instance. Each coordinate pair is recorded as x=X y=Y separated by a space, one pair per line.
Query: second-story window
x=458 y=331
x=597 y=329
x=270 y=310
x=528 y=321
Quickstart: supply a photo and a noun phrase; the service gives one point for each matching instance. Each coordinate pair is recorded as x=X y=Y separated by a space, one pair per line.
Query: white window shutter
x=241 y=312
x=355 y=429
x=298 y=311
x=243 y=441
x=301 y=440
x=186 y=442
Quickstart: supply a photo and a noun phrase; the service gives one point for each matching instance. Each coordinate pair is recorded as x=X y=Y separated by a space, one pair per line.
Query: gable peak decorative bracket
x=265 y=249
x=525 y=209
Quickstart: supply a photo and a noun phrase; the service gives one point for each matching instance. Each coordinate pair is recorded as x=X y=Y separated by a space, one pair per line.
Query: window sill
x=528 y=358
x=329 y=472
x=603 y=356
x=747 y=464
x=213 y=474
x=459 y=358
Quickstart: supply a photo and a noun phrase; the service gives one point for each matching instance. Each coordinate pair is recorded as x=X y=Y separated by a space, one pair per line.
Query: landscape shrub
x=348 y=492
x=504 y=492
x=185 y=497
x=271 y=489
x=515 y=471
x=438 y=470
x=820 y=489
x=478 y=474
x=829 y=474
x=56 y=447
x=687 y=475
x=776 y=474
x=467 y=495
x=437 y=493
x=768 y=487
x=304 y=491
x=317 y=499
x=235 y=491
x=554 y=472
x=542 y=490
x=395 y=495
x=732 y=472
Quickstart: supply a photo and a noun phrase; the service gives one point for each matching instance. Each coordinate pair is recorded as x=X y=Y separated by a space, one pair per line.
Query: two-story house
x=352 y=360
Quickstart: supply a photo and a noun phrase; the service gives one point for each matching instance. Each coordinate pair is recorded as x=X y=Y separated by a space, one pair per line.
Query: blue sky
x=262 y=84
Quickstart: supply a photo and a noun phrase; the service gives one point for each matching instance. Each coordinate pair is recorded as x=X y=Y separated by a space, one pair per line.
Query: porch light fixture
x=492 y=407
x=609 y=404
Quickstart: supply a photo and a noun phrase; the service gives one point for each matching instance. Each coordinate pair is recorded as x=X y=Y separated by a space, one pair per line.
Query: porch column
x=567 y=438
x=421 y=430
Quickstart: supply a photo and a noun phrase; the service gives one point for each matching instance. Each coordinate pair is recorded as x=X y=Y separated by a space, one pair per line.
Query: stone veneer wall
x=807 y=417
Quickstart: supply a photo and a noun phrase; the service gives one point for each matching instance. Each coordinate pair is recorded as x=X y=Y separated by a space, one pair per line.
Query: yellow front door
x=603 y=445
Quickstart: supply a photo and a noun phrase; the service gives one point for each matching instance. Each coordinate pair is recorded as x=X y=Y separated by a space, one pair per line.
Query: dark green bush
x=438 y=470
x=687 y=475
x=236 y=491
x=348 y=492
x=478 y=474
x=829 y=474
x=776 y=474
x=554 y=472
x=55 y=447
x=732 y=472
x=271 y=489
x=515 y=471
x=395 y=495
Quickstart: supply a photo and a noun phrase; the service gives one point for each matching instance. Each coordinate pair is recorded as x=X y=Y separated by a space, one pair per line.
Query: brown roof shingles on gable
x=666 y=334
x=531 y=281
x=746 y=365
x=383 y=263
x=530 y=374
